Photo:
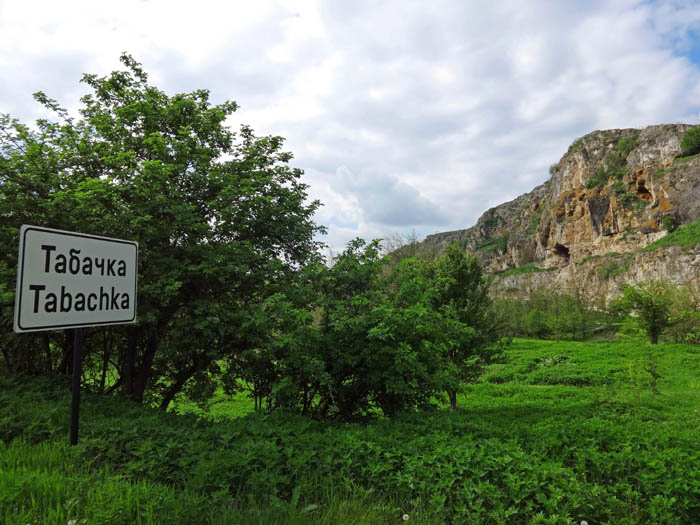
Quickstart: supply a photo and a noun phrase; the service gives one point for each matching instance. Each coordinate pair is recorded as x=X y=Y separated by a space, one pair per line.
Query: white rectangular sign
x=72 y=280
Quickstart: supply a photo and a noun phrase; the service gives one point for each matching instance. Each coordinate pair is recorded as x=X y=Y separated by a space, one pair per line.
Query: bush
x=537 y=323
x=670 y=223
x=495 y=244
x=651 y=302
x=614 y=164
x=690 y=145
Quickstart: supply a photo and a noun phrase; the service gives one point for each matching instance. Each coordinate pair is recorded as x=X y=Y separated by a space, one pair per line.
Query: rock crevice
x=610 y=193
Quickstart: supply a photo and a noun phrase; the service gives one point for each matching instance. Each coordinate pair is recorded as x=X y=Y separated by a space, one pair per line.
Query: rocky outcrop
x=598 y=280
x=613 y=192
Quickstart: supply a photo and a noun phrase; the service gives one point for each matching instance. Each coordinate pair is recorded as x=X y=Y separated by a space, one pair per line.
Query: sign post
x=75 y=384
x=68 y=280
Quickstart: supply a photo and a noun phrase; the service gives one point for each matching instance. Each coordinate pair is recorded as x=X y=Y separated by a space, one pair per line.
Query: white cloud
x=402 y=113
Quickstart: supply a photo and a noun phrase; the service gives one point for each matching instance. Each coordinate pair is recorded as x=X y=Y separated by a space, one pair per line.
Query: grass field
x=558 y=433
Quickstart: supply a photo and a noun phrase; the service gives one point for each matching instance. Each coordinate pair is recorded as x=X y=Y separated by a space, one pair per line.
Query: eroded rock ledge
x=612 y=194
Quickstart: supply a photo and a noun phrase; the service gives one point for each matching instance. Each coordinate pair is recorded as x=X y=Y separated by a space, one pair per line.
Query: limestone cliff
x=612 y=194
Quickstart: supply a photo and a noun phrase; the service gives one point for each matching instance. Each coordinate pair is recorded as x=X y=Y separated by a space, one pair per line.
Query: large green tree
x=651 y=302
x=462 y=294
x=220 y=217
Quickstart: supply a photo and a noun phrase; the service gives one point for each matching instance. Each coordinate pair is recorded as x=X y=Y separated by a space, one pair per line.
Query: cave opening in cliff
x=643 y=192
x=562 y=251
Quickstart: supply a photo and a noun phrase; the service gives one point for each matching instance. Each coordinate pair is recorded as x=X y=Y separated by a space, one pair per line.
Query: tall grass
x=686 y=237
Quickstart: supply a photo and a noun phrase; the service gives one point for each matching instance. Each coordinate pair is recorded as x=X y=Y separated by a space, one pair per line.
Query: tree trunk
x=47 y=353
x=177 y=385
x=453 y=399
x=106 y=350
x=143 y=373
x=114 y=387
x=129 y=360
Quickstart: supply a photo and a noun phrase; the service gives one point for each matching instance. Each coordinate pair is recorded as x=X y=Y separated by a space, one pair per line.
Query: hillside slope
x=591 y=227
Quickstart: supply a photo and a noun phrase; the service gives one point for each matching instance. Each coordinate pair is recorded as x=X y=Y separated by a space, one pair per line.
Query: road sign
x=73 y=280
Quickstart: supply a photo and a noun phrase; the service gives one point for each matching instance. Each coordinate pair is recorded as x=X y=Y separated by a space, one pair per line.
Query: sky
x=406 y=116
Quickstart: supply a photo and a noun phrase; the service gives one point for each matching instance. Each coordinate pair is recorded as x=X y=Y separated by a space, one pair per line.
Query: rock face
x=612 y=193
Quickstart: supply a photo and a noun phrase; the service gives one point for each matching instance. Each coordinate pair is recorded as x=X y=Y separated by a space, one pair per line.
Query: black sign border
x=20 y=286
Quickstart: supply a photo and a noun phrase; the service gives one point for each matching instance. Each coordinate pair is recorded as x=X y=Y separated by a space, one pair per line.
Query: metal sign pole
x=75 y=406
x=70 y=280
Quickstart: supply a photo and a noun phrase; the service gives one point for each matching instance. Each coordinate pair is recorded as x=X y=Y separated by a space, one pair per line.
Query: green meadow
x=557 y=432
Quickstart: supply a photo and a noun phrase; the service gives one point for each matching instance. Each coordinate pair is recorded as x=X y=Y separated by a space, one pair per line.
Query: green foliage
x=575 y=144
x=686 y=237
x=614 y=163
x=526 y=268
x=462 y=295
x=690 y=144
x=363 y=336
x=628 y=327
x=651 y=302
x=630 y=201
x=625 y=145
x=670 y=223
x=644 y=373
x=685 y=314
x=619 y=189
x=601 y=176
x=495 y=244
x=380 y=341
x=537 y=323
x=549 y=314
x=220 y=217
x=556 y=429
x=52 y=483
x=616 y=265
x=681 y=160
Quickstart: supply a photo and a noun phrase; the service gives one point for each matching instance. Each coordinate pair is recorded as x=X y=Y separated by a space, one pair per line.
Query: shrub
x=690 y=144
x=526 y=268
x=670 y=223
x=651 y=301
x=575 y=144
x=537 y=323
x=615 y=162
x=625 y=146
x=619 y=189
x=630 y=201
x=616 y=266
x=495 y=244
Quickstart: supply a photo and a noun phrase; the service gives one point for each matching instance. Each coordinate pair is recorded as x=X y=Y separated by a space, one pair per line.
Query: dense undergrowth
x=560 y=432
